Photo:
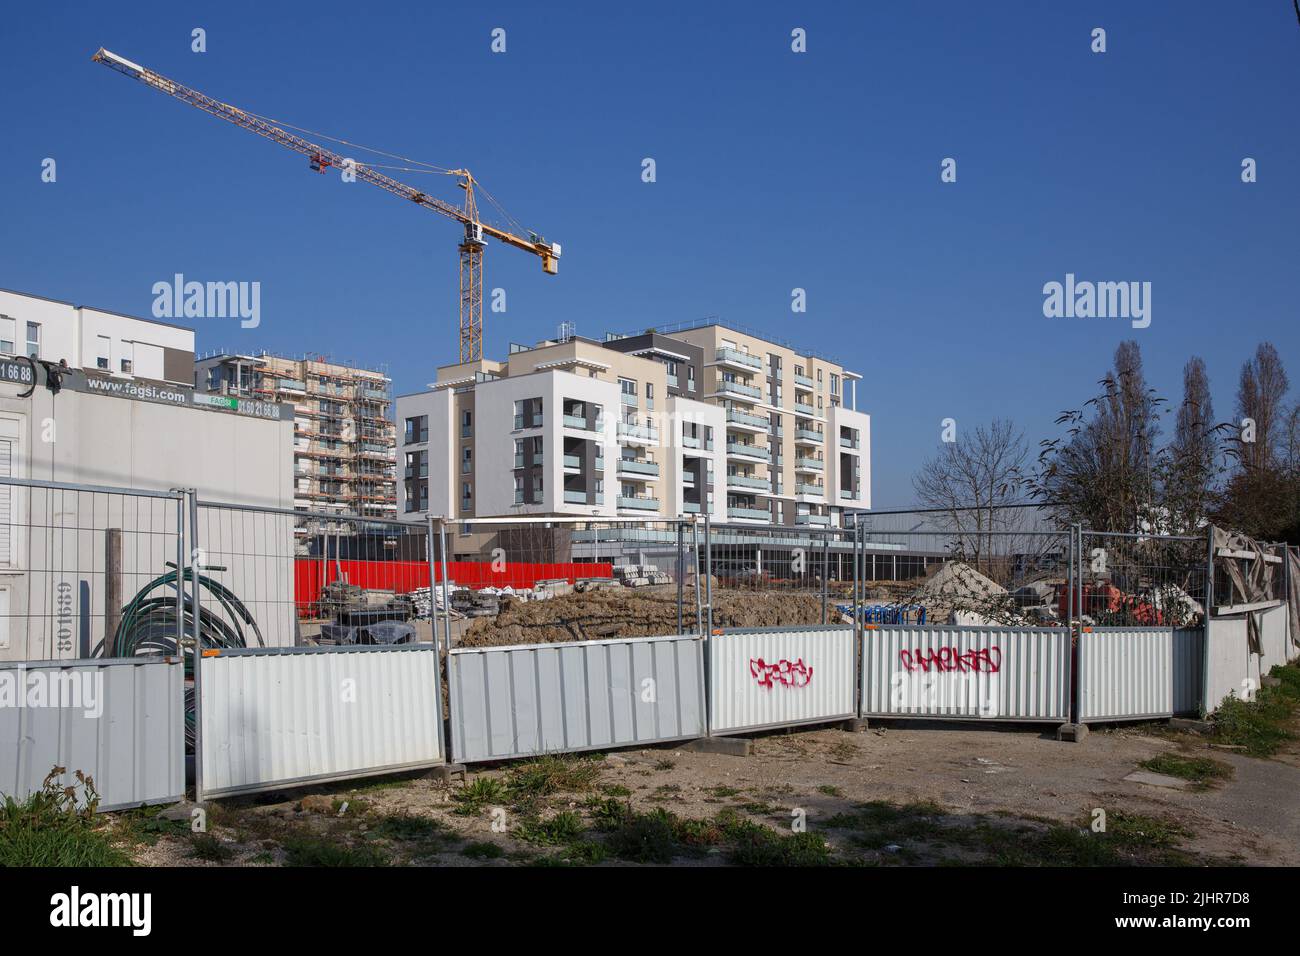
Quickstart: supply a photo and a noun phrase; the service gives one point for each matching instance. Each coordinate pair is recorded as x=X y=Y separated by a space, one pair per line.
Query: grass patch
x=407 y=828
x=317 y=851
x=1261 y=726
x=530 y=782
x=560 y=829
x=1203 y=772
x=50 y=829
x=482 y=851
x=205 y=846
x=646 y=838
x=473 y=797
x=616 y=790
x=830 y=791
x=725 y=792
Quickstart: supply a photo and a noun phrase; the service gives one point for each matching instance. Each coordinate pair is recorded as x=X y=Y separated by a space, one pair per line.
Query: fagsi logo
x=103 y=909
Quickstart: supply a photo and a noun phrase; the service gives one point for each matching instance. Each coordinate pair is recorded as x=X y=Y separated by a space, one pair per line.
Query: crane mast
x=472 y=245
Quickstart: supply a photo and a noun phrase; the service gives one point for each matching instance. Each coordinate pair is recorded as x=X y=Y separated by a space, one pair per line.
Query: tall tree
x=1190 y=469
x=1105 y=473
x=972 y=479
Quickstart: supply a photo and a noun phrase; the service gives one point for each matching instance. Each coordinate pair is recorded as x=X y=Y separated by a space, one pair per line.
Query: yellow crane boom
x=471 y=246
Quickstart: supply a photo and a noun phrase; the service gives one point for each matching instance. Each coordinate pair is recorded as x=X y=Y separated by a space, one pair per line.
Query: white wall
x=56 y=538
x=839 y=416
x=72 y=333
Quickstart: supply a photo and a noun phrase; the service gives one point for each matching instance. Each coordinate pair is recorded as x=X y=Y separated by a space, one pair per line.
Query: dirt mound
x=644 y=612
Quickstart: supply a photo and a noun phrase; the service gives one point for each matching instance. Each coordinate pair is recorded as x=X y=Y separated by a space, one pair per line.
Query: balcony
x=691 y=507
x=635 y=432
x=575 y=497
x=739 y=388
x=748 y=514
x=672 y=381
x=804 y=381
x=629 y=398
x=819 y=520
x=690 y=441
x=522 y=422
x=808 y=435
x=725 y=356
x=748 y=481
x=576 y=421
x=746 y=449
x=537 y=460
x=846 y=494
x=638 y=466
x=745 y=420
x=809 y=464
x=847 y=442
x=638 y=502
x=802 y=409
x=572 y=461
x=802 y=488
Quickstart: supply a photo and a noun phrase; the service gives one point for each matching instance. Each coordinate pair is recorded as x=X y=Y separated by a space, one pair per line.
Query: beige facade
x=707 y=420
x=344 y=441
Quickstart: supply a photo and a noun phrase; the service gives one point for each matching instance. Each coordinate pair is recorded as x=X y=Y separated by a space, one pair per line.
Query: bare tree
x=1190 y=467
x=972 y=479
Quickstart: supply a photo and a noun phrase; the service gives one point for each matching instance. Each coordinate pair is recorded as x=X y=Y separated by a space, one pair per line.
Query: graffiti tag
x=978 y=660
x=786 y=673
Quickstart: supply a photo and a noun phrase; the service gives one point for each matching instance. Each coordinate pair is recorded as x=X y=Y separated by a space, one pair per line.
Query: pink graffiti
x=986 y=660
x=785 y=673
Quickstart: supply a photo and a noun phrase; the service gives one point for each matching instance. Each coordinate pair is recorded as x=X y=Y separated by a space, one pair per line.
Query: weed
x=205 y=846
x=830 y=791
x=316 y=851
x=646 y=838
x=1201 y=771
x=562 y=828
x=406 y=828
x=482 y=851
x=529 y=782
x=56 y=827
x=473 y=797
x=1261 y=726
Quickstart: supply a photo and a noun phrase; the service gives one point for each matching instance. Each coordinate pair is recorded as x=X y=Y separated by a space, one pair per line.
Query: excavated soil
x=642 y=612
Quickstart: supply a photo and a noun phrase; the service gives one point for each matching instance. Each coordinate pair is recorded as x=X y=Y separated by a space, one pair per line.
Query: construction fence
x=333 y=646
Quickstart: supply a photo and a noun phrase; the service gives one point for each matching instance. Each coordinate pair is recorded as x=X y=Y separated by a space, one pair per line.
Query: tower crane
x=471 y=246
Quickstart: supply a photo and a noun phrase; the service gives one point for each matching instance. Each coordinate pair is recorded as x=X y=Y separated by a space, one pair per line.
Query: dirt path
x=947 y=781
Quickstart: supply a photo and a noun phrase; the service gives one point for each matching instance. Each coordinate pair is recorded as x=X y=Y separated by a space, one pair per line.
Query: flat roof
x=95 y=308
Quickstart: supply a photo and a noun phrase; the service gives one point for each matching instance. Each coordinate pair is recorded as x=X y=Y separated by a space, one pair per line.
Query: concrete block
x=730 y=746
x=1072 y=732
x=446 y=772
x=854 y=725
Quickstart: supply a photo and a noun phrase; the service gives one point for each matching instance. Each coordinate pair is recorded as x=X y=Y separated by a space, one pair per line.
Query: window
x=649 y=395
x=33 y=340
x=466 y=423
x=835 y=384
x=519 y=490
x=126 y=366
x=466 y=460
x=417 y=430
x=690 y=377
x=466 y=496
x=628 y=389
x=7 y=333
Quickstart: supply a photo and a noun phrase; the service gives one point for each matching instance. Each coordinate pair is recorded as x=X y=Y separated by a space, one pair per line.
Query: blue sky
x=775 y=170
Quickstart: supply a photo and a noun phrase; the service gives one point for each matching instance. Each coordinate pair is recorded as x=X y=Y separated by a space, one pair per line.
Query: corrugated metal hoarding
x=989 y=673
x=291 y=715
x=1132 y=673
x=119 y=721
x=585 y=695
x=780 y=677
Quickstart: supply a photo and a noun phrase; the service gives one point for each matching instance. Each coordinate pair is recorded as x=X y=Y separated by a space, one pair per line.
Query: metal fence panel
x=990 y=673
x=280 y=716
x=1135 y=673
x=780 y=677
x=585 y=695
x=118 y=721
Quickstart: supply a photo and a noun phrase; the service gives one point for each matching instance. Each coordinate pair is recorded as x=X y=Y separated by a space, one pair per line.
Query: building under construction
x=344 y=443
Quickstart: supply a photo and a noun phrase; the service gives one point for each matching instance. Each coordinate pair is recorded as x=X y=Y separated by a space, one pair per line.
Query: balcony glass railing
x=807 y=434
x=803 y=380
x=572 y=461
x=638 y=502
x=690 y=441
x=812 y=519
x=803 y=488
x=645 y=432
x=575 y=421
x=744 y=418
x=736 y=357
x=815 y=464
x=739 y=388
x=638 y=466
x=745 y=448
x=756 y=514
x=691 y=507
x=575 y=497
x=672 y=381
x=522 y=421
x=803 y=409
x=847 y=442
x=747 y=481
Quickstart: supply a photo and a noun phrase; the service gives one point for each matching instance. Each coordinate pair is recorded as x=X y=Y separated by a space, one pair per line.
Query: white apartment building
x=117 y=346
x=707 y=420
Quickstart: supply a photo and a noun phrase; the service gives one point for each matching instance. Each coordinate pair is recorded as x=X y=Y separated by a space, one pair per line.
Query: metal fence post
x=699 y=600
x=197 y=618
x=433 y=628
x=826 y=572
x=708 y=572
x=446 y=591
x=681 y=566
x=1209 y=611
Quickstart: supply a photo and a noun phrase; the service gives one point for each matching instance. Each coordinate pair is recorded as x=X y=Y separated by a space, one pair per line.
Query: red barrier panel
x=403 y=576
